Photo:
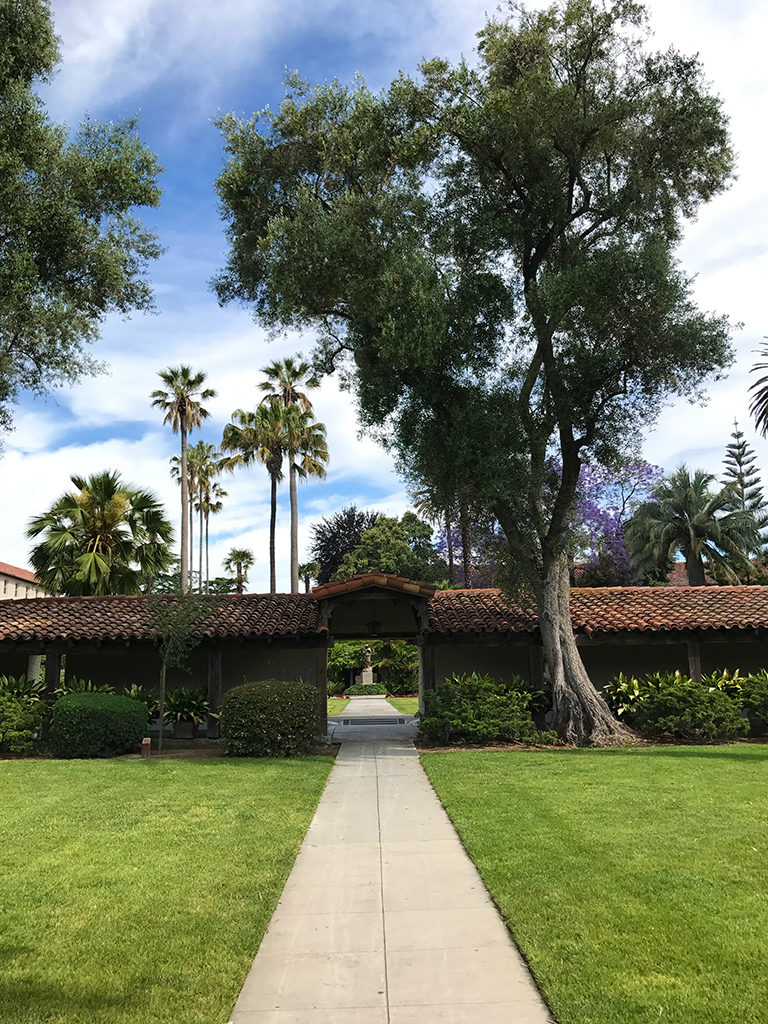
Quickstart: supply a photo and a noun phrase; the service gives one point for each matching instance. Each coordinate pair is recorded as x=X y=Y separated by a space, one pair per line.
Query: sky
x=177 y=64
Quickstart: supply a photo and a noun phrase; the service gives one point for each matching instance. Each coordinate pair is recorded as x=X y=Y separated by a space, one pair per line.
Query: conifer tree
x=742 y=475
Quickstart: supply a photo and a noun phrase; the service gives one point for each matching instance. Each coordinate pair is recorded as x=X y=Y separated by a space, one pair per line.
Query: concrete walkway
x=371 y=718
x=384 y=919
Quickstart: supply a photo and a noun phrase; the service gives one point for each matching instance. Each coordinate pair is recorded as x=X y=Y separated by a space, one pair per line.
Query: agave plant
x=29 y=690
x=186 y=704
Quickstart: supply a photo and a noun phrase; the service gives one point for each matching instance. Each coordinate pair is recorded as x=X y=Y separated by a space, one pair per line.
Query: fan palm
x=210 y=503
x=308 y=571
x=702 y=524
x=239 y=561
x=284 y=380
x=307 y=450
x=758 y=407
x=183 y=412
x=203 y=467
x=259 y=437
x=105 y=537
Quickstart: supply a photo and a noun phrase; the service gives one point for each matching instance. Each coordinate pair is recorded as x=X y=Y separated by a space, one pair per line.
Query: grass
x=140 y=891
x=634 y=881
x=405 y=705
x=337 y=706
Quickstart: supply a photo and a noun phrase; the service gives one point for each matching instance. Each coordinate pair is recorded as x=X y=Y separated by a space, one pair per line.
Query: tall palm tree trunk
x=191 y=541
x=294 y=530
x=449 y=539
x=200 y=559
x=184 y=508
x=207 y=553
x=272 y=529
x=694 y=568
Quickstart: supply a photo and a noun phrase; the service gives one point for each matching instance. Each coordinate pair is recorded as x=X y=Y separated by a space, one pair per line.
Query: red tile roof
x=607 y=610
x=594 y=610
x=130 y=618
x=373 y=579
x=19 y=574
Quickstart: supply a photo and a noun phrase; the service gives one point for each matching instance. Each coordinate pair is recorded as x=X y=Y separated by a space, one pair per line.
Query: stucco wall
x=499 y=661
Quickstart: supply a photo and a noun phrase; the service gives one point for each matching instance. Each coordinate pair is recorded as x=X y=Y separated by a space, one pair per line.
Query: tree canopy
x=71 y=247
x=399 y=546
x=488 y=253
x=105 y=537
x=338 y=535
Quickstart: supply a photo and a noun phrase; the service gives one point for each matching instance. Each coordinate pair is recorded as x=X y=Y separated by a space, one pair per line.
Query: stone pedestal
x=366 y=677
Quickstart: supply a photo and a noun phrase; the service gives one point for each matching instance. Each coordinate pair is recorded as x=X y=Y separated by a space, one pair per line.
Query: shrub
x=19 y=718
x=27 y=690
x=93 y=724
x=624 y=694
x=147 y=696
x=371 y=690
x=686 y=710
x=186 y=704
x=477 y=709
x=754 y=698
x=269 y=718
x=75 y=685
x=725 y=681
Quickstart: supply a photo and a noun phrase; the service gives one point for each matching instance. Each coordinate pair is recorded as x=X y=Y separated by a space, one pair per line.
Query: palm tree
x=175 y=462
x=685 y=515
x=210 y=504
x=307 y=450
x=105 y=537
x=308 y=571
x=203 y=467
x=183 y=412
x=758 y=407
x=259 y=437
x=284 y=379
x=239 y=561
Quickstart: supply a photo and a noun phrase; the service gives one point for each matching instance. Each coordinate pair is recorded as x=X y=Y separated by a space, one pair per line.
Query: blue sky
x=177 y=63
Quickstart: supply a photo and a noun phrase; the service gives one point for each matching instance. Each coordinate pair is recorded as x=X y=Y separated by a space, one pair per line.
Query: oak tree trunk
x=581 y=715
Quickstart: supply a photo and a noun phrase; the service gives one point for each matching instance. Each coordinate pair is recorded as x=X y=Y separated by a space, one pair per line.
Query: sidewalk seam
x=381 y=887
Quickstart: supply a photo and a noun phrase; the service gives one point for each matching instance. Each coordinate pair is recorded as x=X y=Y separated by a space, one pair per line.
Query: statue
x=367 y=656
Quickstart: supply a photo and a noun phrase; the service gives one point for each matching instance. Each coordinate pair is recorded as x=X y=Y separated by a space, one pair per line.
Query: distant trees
x=181 y=401
x=239 y=561
x=399 y=546
x=105 y=537
x=336 y=536
x=308 y=571
x=742 y=476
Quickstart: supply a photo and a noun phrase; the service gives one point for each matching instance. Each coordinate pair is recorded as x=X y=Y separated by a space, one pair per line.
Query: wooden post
x=214 y=690
x=694 y=659
x=52 y=673
x=426 y=671
x=321 y=682
x=535 y=663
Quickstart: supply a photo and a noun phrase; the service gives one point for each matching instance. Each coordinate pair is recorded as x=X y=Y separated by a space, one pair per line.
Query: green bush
x=19 y=718
x=269 y=718
x=27 y=690
x=371 y=690
x=624 y=694
x=147 y=696
x=75 y=685
x=725 y=681
x=686 y=710
x=186 y=704
x=754 y=699
x=93 y=724
x=477 y=709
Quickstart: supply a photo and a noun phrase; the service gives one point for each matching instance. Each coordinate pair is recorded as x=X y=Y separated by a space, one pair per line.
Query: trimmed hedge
x=269 y=718
x=754 y=699
x=369 y=690
x=96 y=725
x=689 y=711
x=479 y=709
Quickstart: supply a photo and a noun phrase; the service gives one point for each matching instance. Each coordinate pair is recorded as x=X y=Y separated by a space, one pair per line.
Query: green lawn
x=140 y=891
x=635 y=881
x=405 y=705
x=336 y=706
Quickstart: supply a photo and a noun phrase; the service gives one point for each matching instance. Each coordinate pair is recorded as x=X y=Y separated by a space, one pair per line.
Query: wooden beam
x=52 y=673
x=694 y=659
x=426 y=671
x=214 y=690
x=321 y=682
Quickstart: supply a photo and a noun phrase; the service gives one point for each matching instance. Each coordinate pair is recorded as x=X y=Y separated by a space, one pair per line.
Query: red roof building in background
x=18 y=583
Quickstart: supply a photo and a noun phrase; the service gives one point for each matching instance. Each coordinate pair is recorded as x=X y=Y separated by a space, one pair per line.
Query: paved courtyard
x=384 y=919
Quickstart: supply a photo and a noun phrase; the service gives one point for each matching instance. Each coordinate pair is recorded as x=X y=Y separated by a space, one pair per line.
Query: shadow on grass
x=26 y=1000
x=731 y=752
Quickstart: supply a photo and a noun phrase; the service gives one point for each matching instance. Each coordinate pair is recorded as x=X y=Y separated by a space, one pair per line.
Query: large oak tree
x=488 y=254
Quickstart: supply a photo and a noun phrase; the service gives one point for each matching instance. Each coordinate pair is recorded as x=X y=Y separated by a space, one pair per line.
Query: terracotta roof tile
x=129 y=618
x=607 y=610
x=19 y=574
x=373 y=579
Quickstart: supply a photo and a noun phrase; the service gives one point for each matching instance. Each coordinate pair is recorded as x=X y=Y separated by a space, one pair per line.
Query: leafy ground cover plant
x=186 y=704
x=75 y=685
x=30 y=690
x=96 y=725
x=147 y=696
x=19 y=719
x=478 y=709
x=269 y=718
